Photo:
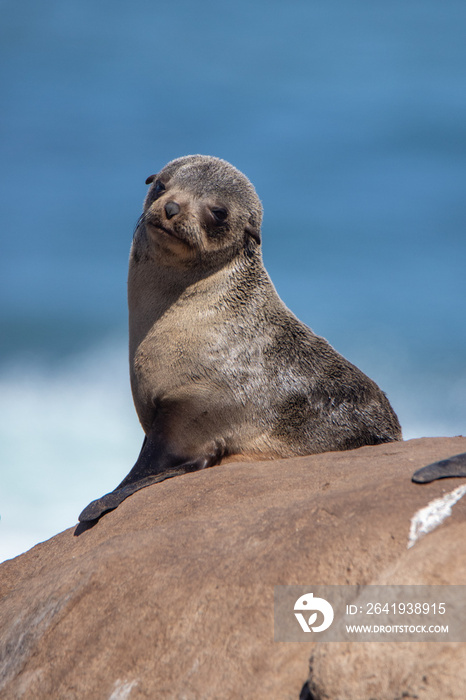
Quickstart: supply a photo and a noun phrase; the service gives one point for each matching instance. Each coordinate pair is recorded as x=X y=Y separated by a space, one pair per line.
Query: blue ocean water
x=350 y=119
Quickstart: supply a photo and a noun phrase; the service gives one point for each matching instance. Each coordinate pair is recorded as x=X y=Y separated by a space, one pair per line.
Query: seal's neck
x=154 y=289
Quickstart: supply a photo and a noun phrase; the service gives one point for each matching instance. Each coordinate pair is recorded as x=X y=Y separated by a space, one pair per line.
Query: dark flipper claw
x=453 y=466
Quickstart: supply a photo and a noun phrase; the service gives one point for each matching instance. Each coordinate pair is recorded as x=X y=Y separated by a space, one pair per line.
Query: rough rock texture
x=171 y=595
x=402 y=671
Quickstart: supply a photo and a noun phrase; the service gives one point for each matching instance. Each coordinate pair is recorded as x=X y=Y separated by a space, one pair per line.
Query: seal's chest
x=171 y=349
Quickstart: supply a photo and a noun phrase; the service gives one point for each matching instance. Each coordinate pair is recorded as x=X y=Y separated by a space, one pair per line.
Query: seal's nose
x=171 y=208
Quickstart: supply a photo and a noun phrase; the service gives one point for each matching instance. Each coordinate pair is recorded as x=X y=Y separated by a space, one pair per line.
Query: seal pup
x=219 y=365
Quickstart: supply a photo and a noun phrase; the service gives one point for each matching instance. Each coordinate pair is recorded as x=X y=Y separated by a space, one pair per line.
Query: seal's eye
x=159 y=187
x=220 y=214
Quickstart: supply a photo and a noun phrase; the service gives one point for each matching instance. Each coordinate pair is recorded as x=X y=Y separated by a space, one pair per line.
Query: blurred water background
x=349 y=118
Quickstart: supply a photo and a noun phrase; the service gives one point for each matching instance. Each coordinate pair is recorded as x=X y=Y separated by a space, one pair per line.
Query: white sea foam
x=66 y=437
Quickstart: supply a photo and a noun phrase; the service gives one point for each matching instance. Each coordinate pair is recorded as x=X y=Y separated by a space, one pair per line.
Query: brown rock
x=171 y=595
x=401 y=670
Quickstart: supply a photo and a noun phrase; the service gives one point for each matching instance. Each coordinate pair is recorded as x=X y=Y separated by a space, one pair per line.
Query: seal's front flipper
x=153 y=465
x=453 y=466
x=113 y=499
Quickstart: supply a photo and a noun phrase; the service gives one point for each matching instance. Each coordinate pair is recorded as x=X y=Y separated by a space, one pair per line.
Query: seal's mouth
x=160 y=227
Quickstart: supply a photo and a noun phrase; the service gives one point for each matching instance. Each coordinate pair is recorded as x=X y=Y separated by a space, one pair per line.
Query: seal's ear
x=253 y=232
x=151 y=179
x=252 y=239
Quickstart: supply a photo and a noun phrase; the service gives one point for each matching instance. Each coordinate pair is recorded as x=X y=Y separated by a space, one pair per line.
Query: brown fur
x=219 y=366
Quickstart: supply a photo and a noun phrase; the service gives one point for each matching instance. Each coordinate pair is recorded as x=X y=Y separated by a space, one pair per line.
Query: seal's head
x=201 y=210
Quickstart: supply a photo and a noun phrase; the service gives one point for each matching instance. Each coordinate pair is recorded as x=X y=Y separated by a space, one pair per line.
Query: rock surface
x=171 y=595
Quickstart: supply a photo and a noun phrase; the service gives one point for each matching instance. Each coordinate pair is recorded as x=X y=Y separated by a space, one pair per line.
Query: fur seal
x=219 y=365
